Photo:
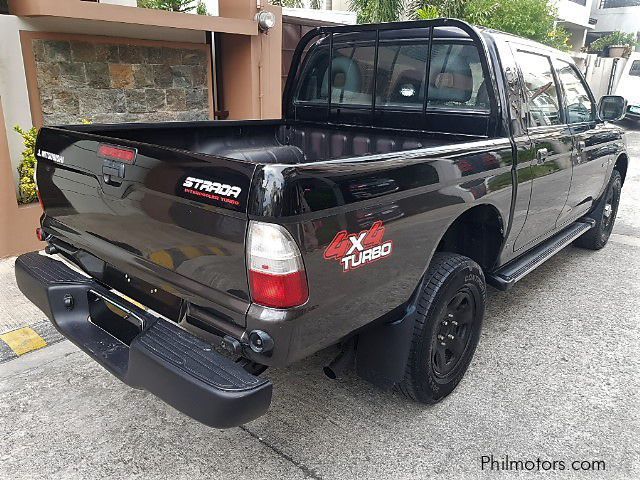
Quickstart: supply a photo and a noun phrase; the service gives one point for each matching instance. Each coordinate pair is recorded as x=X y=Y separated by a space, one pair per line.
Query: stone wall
x=113 y=83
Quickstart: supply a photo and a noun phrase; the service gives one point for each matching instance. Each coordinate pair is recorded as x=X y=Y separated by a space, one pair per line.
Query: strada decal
x=355 y=250
x=54 y=157
x=212 y=190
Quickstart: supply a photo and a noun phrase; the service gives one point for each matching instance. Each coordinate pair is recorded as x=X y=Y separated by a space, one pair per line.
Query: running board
x=505 y=277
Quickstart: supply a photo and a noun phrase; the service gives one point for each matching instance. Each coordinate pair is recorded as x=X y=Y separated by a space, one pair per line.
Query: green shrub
x=615 y=38
x=26 y=169
x=534 y=19
x=317 y=4
x=175 y=5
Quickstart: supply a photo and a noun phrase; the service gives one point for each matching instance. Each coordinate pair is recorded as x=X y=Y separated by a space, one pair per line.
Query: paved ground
x=15 y=312
x=556 y=377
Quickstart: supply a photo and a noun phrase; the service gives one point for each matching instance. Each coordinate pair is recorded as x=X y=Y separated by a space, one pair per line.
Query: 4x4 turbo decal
x=354 y=250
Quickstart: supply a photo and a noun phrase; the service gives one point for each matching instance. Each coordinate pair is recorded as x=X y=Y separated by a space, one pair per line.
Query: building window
x=634 y=71
x=619 y=3
x=580 y=2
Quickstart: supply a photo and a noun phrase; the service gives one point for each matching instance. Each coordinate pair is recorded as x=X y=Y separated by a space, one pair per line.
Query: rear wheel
x=447 y=328
x=604 y=214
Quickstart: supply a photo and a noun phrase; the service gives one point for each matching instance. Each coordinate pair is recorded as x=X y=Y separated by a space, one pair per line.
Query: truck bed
x=269 y=142
x=149 y=219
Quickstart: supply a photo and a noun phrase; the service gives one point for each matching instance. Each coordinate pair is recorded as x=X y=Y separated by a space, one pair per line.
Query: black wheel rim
x=453 y=333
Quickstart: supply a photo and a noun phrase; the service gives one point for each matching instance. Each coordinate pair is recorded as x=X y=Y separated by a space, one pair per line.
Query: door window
x=540 y=89
x=580 y=108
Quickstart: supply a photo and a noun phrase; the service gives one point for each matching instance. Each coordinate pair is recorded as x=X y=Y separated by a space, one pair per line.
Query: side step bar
x=506 y=276
x=142 y=350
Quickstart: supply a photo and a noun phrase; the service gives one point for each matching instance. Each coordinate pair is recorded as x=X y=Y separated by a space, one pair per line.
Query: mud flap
x=383 y=351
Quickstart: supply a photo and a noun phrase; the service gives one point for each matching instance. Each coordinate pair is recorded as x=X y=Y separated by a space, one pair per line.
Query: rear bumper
x=158 y=356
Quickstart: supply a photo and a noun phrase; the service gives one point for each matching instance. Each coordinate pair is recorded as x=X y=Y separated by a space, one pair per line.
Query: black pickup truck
x=414 y=162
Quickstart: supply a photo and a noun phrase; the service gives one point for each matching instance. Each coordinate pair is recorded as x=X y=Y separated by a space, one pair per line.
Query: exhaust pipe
x=342 y=362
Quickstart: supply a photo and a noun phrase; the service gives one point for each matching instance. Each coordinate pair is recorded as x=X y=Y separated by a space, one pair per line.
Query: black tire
x=431 y=372
x=604 y=214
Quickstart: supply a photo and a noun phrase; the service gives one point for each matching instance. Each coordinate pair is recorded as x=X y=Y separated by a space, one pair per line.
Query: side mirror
x=612 y=108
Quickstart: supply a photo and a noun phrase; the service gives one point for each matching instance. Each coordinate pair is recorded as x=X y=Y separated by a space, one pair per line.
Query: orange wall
x=251 y=65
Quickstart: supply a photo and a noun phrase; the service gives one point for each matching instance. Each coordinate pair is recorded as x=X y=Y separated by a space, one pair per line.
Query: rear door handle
x=580 y=146
x=541 y=155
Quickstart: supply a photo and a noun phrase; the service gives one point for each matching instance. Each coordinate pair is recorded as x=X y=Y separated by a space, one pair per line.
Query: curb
x=18 y=342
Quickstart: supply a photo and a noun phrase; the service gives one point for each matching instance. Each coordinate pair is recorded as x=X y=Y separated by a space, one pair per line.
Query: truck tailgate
x=172 y=219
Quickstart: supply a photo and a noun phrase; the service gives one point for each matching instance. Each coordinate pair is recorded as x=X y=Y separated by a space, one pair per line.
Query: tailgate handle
x=111 y=172
x=108 y=179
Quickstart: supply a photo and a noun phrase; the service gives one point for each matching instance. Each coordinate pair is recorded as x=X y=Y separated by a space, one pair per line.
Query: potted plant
x=615 y=45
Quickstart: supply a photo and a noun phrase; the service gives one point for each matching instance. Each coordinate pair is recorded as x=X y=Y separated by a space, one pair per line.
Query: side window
x=455 y=78
x=540 y=89
x=634 y=71
x=580 y=108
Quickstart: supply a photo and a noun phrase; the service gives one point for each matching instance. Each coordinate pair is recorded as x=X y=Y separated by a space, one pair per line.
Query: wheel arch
x=477 y=233
x=622 y=163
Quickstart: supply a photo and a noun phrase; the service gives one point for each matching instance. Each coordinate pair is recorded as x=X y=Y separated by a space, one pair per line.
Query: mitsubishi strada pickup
x=414 y=163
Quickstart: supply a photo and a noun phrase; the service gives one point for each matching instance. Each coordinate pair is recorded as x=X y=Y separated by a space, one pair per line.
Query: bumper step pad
x=163 y=359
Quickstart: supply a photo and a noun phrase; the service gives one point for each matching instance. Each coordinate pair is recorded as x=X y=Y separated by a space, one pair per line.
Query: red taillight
x=40 y=198
x=277 y=277
x=279 y=291
x=120 y=154
x=40 y=234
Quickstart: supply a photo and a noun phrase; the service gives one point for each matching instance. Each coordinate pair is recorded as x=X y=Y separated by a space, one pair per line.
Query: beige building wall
x=13 y=88
x=341 y=5
x=126 y=3
x=17 y=223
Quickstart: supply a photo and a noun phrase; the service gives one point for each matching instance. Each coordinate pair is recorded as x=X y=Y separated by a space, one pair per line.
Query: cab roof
x=388 y=32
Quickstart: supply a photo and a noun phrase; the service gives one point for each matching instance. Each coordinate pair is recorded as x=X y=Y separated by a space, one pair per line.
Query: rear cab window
x=456 y=78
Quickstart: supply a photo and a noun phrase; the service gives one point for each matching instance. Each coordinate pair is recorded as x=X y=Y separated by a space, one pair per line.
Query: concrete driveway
x=556 y=377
